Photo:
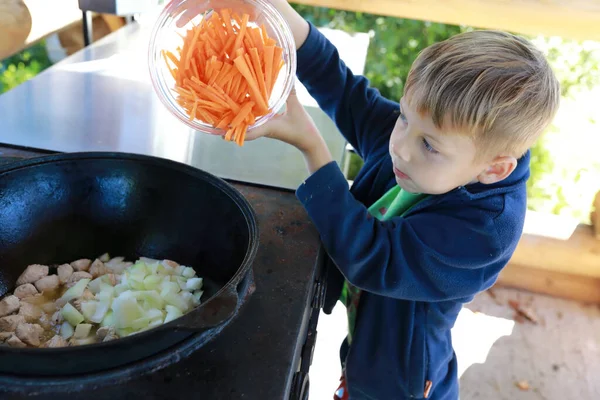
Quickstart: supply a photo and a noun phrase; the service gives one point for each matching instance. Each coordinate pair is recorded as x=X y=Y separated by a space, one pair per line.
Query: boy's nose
x=401 y=150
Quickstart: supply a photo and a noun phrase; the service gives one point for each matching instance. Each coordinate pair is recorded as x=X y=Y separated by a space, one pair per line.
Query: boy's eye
x=428 y=147
x=402 y=116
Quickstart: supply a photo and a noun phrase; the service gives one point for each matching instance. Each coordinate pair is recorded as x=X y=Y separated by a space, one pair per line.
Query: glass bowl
x=167 y=35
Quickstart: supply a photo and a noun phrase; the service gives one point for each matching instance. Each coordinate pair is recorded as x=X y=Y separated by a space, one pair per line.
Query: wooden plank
x=595 y=217
x=552 y=283
x=579 y=254
x=41 y=19
x=575 y=19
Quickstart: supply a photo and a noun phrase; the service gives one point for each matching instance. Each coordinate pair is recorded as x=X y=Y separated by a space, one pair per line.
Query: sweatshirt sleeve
x=430 y=256
x=363 y=116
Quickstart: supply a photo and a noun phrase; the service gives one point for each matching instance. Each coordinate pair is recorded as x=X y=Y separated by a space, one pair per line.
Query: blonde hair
x=491 y=85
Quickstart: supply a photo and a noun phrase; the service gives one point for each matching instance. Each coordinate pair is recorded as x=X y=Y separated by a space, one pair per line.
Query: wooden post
x=574 y=19
x=15 y=26
x=595 y=217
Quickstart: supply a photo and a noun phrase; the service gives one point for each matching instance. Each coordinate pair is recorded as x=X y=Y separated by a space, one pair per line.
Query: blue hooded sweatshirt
x=415 y=271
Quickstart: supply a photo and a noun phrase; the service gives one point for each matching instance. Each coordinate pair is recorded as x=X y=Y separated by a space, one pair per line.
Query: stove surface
x=255 y=357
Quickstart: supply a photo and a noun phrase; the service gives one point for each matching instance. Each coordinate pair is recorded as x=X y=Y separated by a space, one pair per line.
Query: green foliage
x=23 y=66
x=565 y=171
x=395 y=42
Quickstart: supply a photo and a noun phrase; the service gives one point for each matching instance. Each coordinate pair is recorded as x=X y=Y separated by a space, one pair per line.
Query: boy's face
x=430 y=161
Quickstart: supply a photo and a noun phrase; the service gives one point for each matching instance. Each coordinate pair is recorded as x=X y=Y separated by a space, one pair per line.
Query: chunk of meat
x=170 y=263
x=76 y=277
x=64 y=272
x=106 y=334
x=36 y=299
x=57 y=318
x=10 y=323
x=9 y=305
x=81 y=265
x=29 y=333
x=47 y=283
x=103 y=331
x=32 y=273
x=98 y=269
x=104 y=257
x=30 y=312
x=87 y=295
x=25 y=290
x=113 y=279
x=110 y=336
x=14 y=341
x=4 y=336
x=56 y=341
x=76 y=303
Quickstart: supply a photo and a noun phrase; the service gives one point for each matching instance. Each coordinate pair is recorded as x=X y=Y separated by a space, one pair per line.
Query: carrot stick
x=238 y=20
x=172 y=57
x=243 y=90
x=259 y=73
x=228 y=45
x=188 y=54
x=257 y=39
x=193 y=114
x=226 y=121
x=269 y=52
x=242 y=113
x=226 y=16
x=206 y=116
x=242 y=134
x=277 y=53
x=227 y=77
x=235 y=84
x=224 y=72
x=240 y=63
x=218 y=28
x=240 y=36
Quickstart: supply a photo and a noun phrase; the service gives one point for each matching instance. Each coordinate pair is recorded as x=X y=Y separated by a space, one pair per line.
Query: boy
x=438 y=208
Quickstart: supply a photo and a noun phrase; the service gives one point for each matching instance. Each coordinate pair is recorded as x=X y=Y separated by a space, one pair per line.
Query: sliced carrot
x=269 y=52
x=188 y=54
x=240 y=63
x=259 y=73
x=277 y=53
x=226 y=16
x=249 y=64
x=192 y=115
x=218 y=28
x=171 y=56
x=226 y=121
x=238 y=20
x=228 y=46
x=243 y=91
x=264 y=32
x=224 y=72
x=257 y=39
x=242 y=114
x=235 y=83
x=240 y=36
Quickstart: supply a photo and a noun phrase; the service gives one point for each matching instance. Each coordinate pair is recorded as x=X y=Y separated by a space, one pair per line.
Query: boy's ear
x=499 y=169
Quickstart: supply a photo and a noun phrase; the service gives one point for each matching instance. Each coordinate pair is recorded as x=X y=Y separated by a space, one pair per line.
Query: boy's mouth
x=401 y=175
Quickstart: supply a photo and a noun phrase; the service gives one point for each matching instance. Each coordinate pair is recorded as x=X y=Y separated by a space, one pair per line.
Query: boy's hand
x=295 y=127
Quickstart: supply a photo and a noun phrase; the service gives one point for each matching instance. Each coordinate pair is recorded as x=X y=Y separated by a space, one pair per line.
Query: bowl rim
x=163 y=91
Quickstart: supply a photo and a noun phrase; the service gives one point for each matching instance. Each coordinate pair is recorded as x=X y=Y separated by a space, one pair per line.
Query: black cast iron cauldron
x=59 y=208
